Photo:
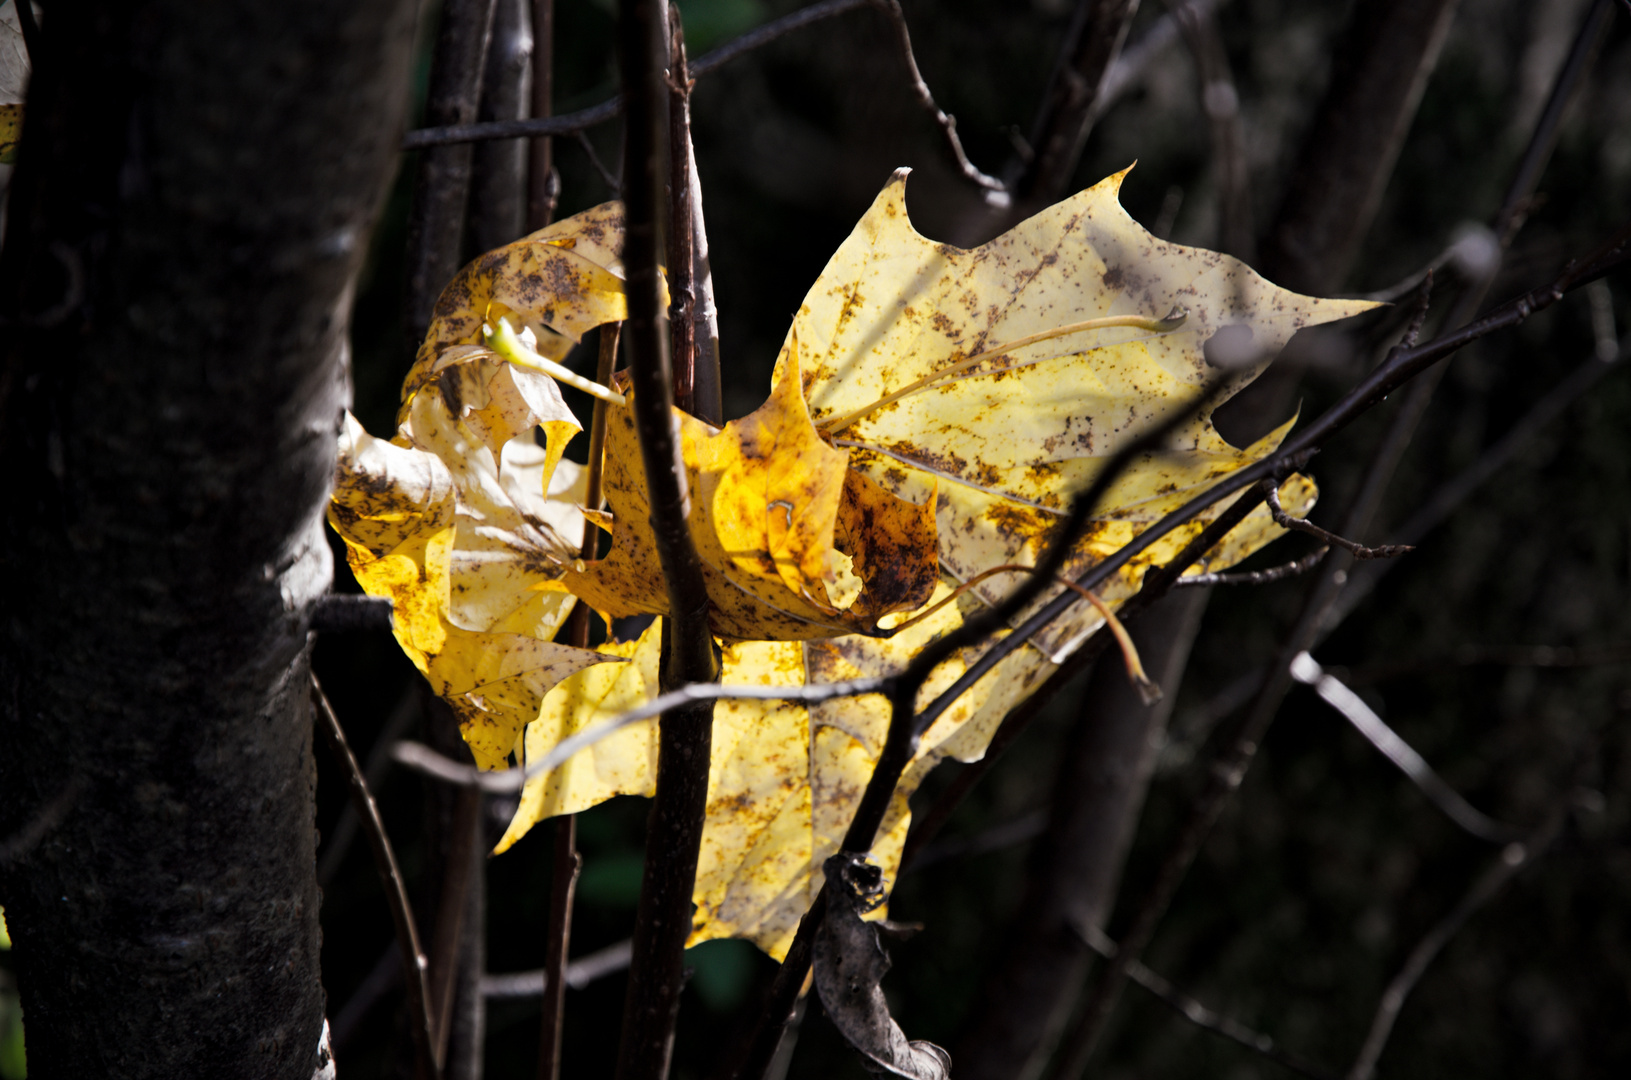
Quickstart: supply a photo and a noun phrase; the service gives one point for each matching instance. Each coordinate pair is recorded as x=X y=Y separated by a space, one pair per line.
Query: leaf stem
x=506 y=343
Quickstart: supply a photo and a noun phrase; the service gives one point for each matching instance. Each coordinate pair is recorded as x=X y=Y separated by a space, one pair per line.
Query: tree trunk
x=196 y=189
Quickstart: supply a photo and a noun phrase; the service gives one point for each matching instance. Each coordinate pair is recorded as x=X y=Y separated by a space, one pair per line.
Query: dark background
x=1329 y=866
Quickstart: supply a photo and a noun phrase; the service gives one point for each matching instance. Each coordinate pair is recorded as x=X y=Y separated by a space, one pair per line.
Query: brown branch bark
x=185 y=226
x=498 y=182
x=674 y=829
x=442 y=185
x=543 y=182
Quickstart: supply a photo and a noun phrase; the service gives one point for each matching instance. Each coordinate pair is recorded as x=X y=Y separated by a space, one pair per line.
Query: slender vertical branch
x=682 y=331
x=543 y=182
x=498 y=183
x=421 y=1024
x=442 y=188
x=674 y=831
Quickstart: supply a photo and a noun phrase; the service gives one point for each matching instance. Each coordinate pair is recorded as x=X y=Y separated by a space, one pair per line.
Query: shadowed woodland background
x=1328 y=867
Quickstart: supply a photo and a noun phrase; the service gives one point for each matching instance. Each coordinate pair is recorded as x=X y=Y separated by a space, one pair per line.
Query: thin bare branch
x=422 y=1024
x=337 y=842
x=1259 y=577
x=1199 y=1014
x=1091 y=44
x=1220 y=101
x=543 y=179
x=579 y=973
x=1513 y=858
x=442 y=186
x=1306 y=670
x=1271 y=495
x=544 y=125
x=904 y=728
x=510 y=781
x=920 y=89
x=613 y=183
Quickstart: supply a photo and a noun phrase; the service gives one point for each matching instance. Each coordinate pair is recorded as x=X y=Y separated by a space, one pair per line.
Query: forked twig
x=948 y=124
x=1271 y=495
x=422 y=1025
x=1291 y=569
x=1195 y=1012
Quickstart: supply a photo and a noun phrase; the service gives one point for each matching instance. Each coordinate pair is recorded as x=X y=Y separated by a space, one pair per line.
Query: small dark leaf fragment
x=849 y=962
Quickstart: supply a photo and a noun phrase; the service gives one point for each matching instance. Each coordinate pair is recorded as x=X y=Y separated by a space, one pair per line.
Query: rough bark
x=196 y=188
x=1076 y=867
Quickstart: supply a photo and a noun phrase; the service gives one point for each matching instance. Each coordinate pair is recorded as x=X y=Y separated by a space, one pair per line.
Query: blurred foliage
x=1329 y=866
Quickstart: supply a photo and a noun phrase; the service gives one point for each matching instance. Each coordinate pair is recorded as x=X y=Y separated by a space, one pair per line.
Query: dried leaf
x=849 y=962
x=776 y=523
x=1031 y=418
x=462 y=520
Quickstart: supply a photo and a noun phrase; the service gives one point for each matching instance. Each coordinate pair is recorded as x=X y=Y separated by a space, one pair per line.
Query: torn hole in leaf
x=850 y=961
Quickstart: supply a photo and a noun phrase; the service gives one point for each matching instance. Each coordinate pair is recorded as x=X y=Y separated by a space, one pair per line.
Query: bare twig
x=499 y=169
x=543 y=125
x=579 y=973
x=1199 y=1014
x=1271 y=495
x=462 y=862
x=1305 y=669
x=1291 y=569
x=556 y=976
x=543 y=180
x=920 y=89
x=509 y=781
x=1402 y=363
x=905 y=728
x=442 y=187
x=1443 y=502
x=45 y=819
x=613 y=184
x=421 y=1024
x=682 y=331
x=1513 y=858
x=565 y=863
x=338 y=842
x=674 y=829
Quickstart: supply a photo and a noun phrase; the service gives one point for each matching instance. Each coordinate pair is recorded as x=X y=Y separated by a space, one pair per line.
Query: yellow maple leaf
x=945 y=370
x=462 y=520
x=792 y=544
